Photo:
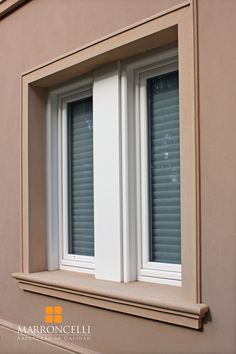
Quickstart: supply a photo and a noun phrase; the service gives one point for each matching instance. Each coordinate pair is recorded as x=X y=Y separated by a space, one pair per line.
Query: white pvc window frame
x=57 y=177
x=136 y=179
x=147 y=268
x=67 y=259
x=121 y=197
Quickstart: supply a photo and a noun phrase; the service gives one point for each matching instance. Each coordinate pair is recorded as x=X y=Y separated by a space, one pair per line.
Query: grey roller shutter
x=164 y=162
x=80 y=157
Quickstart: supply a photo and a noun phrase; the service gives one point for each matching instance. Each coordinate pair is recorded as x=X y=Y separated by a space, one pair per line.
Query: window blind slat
x=88 y=230
x=165 y=194
x=164 y=164
x=80 y=157
x=83 y=250
x=80 y=147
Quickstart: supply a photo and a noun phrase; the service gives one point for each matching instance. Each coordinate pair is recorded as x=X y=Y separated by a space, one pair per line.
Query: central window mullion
x=107 y=174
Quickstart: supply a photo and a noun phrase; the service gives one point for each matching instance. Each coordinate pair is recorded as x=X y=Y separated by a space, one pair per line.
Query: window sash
x=166 y=273
x=68 y=260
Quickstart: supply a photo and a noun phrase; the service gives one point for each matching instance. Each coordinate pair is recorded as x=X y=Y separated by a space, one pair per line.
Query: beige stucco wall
x=44 y=29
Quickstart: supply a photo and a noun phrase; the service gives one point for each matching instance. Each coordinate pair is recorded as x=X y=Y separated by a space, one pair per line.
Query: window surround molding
x=164 y=28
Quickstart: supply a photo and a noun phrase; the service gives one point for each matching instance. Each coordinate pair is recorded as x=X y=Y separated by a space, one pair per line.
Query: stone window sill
x=153 y=301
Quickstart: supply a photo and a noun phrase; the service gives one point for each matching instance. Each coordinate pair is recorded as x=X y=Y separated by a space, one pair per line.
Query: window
x=76 y=192
x=157 y=110
x=70 y=177
x=87 y=114
x=151 y=84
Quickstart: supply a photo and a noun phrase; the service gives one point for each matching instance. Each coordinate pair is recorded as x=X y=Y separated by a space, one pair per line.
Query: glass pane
x=80 y=157
x=164 y=168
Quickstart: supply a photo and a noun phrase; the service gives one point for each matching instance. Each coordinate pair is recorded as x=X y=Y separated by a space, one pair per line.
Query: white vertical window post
x=107 y=174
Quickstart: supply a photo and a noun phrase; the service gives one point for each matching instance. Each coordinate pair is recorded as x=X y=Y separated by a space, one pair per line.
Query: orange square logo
x=57 y=310
x=53 y=314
